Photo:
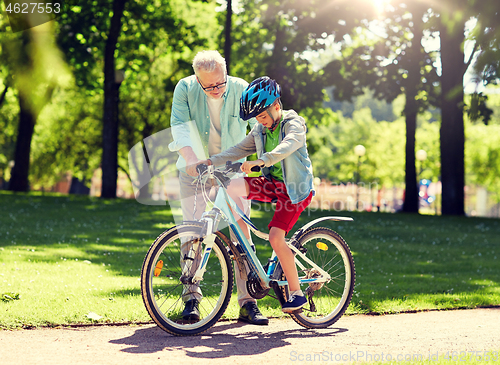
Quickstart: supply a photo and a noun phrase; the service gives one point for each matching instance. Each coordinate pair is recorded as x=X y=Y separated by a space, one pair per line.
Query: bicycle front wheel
x=166 y=287
x=329 y=301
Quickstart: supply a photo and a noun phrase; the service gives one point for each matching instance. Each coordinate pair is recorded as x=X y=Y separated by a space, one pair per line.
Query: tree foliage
x=154 y=49
x=272 y=38
x=333 y=156
x=483 y=157
x=486 y=35
x=67 y=142
x=32 y=66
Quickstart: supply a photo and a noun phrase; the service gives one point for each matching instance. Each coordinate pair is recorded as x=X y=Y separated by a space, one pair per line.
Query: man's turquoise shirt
x=190 y=105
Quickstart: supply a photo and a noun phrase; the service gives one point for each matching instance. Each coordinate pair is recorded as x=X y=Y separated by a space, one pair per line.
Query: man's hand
x=191 y=160
x=247 y=165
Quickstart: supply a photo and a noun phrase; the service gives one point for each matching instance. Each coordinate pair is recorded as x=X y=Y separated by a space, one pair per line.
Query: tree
x=272 y=38
x=8 y=115
x=68 y=138
x=110 y=111
x=395 y=63
x=452 y=18
x=486 y=34
x=228 y=28
x=35 y=68
x=89 y=36
x=483 y=157
x=334 y=159
x=451 y=33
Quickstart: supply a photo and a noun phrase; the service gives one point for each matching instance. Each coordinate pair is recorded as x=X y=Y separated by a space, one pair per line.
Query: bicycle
x=323 y=258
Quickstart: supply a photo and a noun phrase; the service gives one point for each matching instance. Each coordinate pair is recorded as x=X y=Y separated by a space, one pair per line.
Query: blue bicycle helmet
x=258 y=96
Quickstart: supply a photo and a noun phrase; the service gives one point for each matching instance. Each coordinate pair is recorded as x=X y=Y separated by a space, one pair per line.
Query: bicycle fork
x=207 y=238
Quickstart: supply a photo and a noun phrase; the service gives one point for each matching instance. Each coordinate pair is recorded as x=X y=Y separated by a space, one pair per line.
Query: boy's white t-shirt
x=214 y=139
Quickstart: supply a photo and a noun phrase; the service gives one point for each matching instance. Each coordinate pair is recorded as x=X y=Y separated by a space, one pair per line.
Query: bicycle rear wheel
x=165 y=275
x=328 y=250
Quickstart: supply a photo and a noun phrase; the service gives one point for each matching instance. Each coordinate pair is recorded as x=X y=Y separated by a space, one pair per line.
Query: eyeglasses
x=212 y=88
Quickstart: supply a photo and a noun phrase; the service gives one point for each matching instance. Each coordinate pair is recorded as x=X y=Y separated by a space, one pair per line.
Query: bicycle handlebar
x=230 y=167
x=235 y=167
x=201 y=168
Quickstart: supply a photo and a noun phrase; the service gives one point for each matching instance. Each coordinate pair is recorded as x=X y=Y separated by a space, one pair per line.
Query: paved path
x=352 y=338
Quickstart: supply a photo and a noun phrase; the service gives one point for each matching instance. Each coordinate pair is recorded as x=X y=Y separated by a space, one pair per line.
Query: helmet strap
x=275 y=122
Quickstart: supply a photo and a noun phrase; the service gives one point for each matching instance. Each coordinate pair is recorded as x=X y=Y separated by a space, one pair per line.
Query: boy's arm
x=243 y=149
x=295 y=137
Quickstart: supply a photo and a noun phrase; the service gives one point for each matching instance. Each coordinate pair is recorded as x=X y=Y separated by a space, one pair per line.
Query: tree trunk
x=452 y=135
x=414 y=56
x=19 y=176
x=4 y=93
x=227 y=32
x=109 y=163
x=411 y=202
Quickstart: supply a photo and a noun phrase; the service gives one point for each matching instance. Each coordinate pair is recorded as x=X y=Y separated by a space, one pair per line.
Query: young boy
x=279 y=139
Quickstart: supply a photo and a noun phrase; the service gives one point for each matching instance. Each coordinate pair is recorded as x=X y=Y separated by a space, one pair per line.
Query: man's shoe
x=251 y=314
x=294 y=303
x=191 y=312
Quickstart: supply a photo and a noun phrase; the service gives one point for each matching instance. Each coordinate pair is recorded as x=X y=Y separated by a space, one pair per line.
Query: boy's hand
x=247 y=165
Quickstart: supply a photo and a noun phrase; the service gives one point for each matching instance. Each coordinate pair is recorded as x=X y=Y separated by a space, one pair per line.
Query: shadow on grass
x=51 y=229
x=398 y=257
x=55 y=228
x=219 y=345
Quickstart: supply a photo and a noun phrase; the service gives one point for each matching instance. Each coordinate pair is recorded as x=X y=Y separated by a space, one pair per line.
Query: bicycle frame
x=222 y=209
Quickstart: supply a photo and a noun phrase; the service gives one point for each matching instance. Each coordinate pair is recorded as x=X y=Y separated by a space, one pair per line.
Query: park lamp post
x=359 y=151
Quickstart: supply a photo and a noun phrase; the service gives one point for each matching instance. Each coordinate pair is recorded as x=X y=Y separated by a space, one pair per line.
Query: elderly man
x=211 y=99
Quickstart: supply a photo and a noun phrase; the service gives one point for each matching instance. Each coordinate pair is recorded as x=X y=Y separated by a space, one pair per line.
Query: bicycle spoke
x=330 y=298
x=163 y=290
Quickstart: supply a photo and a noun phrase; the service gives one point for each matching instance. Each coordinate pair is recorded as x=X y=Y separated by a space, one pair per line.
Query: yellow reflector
x=322 y=246
x=159 y=266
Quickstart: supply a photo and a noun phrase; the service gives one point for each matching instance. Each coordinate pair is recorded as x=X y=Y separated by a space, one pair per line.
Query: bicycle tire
x=162 y=293
x=336 y=259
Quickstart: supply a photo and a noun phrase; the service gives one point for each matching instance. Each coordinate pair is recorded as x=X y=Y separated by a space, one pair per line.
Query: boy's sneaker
x=294 y=303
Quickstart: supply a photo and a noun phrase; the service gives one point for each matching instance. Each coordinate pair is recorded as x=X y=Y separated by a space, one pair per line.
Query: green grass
x=63 y=257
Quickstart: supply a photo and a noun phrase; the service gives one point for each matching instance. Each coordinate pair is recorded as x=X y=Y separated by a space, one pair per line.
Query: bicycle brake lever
x=233 y=167
x=223 y=179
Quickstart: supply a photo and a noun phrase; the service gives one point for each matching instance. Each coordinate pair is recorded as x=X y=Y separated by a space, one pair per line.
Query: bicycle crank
x=255 y=288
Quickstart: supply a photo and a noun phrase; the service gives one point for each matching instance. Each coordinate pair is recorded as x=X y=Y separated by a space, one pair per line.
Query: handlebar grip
x=255 y=168
x=234 y=167
x=201 y=168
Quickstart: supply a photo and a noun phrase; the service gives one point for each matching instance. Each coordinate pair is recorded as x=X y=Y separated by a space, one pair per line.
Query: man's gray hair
x=208 y=61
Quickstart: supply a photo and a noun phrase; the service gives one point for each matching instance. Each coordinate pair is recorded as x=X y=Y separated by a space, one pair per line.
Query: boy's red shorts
x=286 y=213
